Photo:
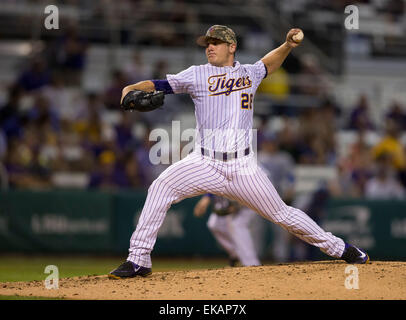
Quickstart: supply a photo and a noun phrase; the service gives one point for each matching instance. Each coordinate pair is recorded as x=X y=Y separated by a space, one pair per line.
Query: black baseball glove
x=224 y=207
x=143 y=101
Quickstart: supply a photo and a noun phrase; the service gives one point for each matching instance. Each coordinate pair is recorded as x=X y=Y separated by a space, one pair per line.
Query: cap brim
x=202 y=41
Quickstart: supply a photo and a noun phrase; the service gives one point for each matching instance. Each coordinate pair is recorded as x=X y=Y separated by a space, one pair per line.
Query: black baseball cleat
x=129 y=270
x=354 y=255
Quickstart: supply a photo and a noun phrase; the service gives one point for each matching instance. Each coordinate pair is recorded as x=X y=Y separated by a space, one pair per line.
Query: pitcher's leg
x=186 y=178
x=159 y=199
x=256 y=191
x=302 y=226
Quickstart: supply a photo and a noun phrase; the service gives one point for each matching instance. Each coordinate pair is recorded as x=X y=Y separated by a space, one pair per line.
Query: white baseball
x=298 y=36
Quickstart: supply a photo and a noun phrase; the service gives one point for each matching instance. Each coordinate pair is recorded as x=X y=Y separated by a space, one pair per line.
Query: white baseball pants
x=238 y=179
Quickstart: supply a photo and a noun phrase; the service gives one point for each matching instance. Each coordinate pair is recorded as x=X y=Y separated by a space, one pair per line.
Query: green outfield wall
x=94 y=222
x=97 y=222
x=377 y=226
x=57 y=221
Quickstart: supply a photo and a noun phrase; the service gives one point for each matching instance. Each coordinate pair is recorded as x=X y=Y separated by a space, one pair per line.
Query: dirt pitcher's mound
x=315 y=280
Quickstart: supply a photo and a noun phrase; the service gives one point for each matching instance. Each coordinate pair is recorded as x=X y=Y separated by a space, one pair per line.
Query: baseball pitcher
x=223 y=161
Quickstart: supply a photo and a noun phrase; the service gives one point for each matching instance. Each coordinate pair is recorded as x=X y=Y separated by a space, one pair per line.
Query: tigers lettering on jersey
x=224 y=103
x=220 y=82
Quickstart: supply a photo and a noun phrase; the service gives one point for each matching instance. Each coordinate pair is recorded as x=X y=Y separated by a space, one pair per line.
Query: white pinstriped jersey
x=223 y=98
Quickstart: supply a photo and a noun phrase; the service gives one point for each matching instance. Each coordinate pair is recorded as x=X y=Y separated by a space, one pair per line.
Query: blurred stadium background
x=74 y=169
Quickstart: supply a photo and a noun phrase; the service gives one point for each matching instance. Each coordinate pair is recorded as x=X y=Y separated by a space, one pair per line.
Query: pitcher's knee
x=281 y=215
x=155 y=185
x=160 y=188
x=159 y=185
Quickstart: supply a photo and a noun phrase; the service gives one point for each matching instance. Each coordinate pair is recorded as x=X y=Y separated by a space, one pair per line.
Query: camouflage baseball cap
x=219 y=32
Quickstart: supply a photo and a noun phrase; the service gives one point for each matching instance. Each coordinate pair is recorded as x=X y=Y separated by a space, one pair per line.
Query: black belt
x=225 y=156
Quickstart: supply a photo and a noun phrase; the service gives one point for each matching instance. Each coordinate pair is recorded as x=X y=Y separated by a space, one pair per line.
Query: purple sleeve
x=163 y=85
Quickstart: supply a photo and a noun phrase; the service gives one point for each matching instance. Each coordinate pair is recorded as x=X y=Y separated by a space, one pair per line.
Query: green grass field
x=29 y=268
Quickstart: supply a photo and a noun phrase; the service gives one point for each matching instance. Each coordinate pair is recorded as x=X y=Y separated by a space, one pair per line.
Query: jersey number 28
x=246 y=100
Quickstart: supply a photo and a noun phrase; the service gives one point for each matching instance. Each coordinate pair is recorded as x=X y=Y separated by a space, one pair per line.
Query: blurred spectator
x=314 y=153
x=73 y=152
x=356 y=151
x=3 y=145
x=117 y=15
x=384 y=185
x=342 y=186
x=355 y=169
x=3 y=153
x=136 y=178
x=24 y=166
x=181 y=15
x=279 y=166
x=394 y=10
x=308 y=141
x=159 y=33
x=136 y=69
x=36 y=76
x=332 y=110
x=312 y=79
x=89 y=127
x=108 y=175
x=70 y=55
x=160 y=69
x=10 y=117
x=391 y=144
x=262 y=130
x=277 y=86
x=360 y=176
x=360 y=118
x=112 y=94
x=124 y=133
x=289 y=137
x=316 y=136
x=256 y=40
x=397 y=114
x=167 y=27
x=90 y=105
x=51 y=152
x=59 y=97
x=42 y=115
